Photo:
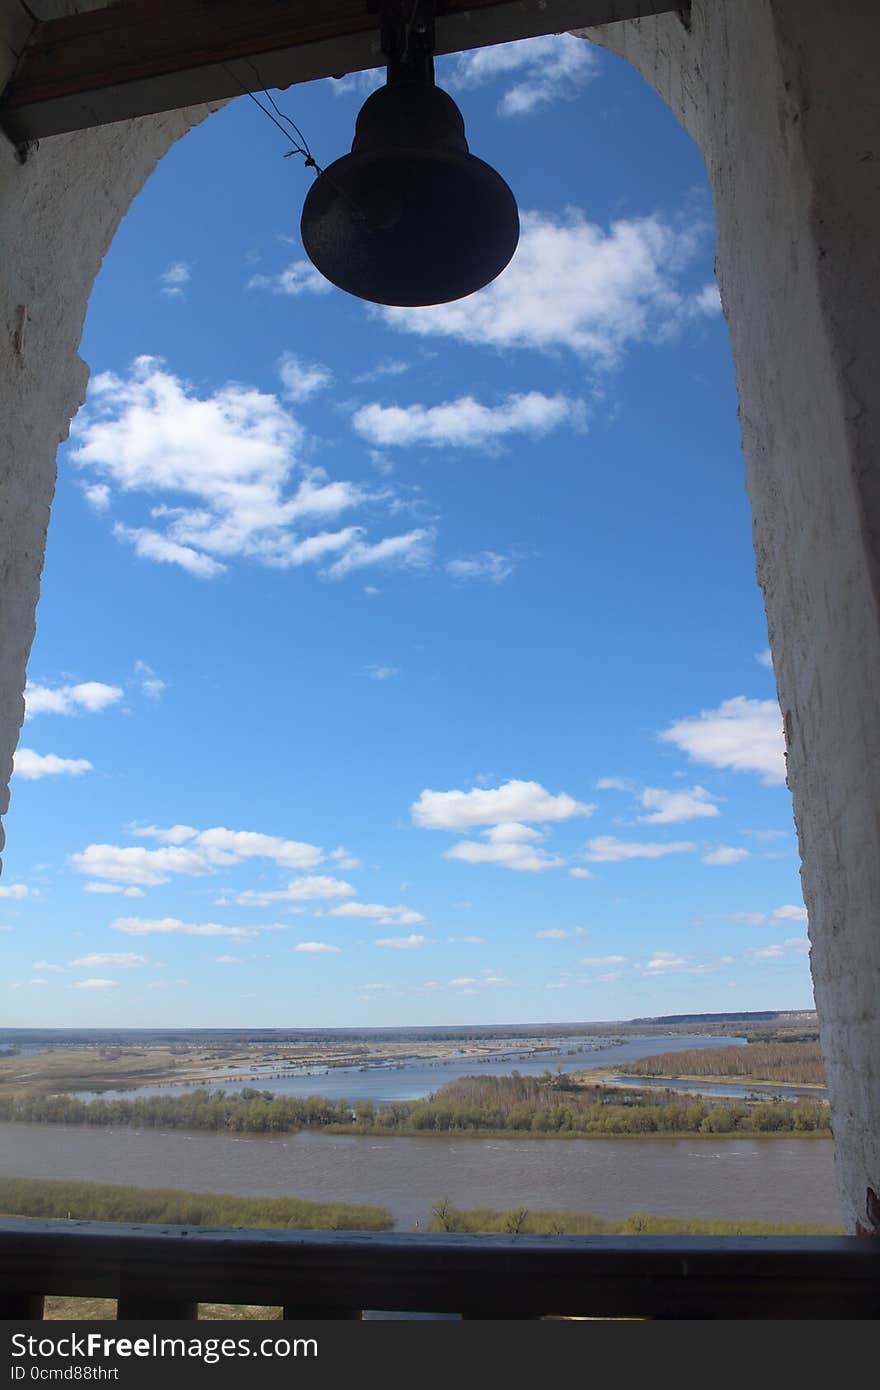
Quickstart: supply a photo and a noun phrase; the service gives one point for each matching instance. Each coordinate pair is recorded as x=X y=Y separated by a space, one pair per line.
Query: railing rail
x=165 y=1271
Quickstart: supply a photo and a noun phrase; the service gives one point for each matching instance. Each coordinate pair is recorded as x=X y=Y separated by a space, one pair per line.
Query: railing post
x=21 y=1307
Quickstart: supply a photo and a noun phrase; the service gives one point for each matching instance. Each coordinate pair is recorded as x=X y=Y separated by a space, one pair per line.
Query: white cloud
x=230 y=846
x=403 y=943
x=231 y=466
x=113 y=888
x=91 y=696
x=228 y=960
x=301 y=380
x=671 y=807
x=553 y=67
x=299 y=277
x=174 y=278
x=790 y=912
x=513 y=801
x=382 y=673
x=31 y=766
x=488 y=566
x=601 y=961
x=315 y=948
x=580 y=873
x=520 y=857
x=172 y=926
x=465 y=423
x=572 y=284
x=97 y=495
x=726 y=854
x=95 y=984
x=607 y=849
x=741 y=734
x=310 y=889
x=377 y=912
x=186 y=850
x=136 y=865
x=109 y=960
x=14 y=890
x=48 y=965
x=468 y=940
x=662 y=962
x=793 y=945
x=764 y=658
x=559 y=933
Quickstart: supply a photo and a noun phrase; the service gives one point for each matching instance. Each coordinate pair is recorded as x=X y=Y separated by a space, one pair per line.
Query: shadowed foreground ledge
x=166 y=1271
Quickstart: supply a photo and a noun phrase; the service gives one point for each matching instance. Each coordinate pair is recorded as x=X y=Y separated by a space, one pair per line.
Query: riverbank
x=81 y=1201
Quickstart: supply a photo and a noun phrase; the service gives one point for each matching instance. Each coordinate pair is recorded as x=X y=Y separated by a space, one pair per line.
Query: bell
x=410 y=217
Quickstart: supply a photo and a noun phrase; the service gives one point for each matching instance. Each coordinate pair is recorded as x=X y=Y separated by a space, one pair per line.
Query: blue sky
x=406 y=666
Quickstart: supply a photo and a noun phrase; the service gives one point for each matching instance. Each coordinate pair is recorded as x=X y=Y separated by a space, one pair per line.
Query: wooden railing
x=161 y=1272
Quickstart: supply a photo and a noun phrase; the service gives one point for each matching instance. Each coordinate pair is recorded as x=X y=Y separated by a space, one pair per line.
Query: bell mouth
x=410 y=230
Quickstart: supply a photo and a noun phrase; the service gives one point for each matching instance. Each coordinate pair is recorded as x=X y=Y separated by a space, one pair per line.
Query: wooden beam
x=328 y=1274
x=145 y=56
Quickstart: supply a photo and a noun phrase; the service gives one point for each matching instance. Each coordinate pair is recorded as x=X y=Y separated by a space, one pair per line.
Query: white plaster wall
x=58 y=214
x=783 y=99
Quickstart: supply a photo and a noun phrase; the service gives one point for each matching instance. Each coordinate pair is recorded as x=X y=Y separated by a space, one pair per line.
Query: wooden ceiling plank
x=143 y=57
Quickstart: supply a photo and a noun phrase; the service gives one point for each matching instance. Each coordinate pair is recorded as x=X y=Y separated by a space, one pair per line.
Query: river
x=787 y=1180
x=416 y=1077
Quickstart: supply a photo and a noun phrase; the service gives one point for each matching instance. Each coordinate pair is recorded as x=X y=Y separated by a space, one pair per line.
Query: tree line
x=794 y=1062
x=515 y=1105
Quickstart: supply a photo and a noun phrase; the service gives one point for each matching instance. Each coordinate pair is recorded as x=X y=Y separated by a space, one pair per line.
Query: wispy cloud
x=109 y=960
x=466 y=423
x=535 y=72
x=315 y=948
x=488 y=566
x=296 y=278
x=726 y=854
x=607 y=849
x=174 y=279
x=313 y=888
x=172 y=926
x=403 y=943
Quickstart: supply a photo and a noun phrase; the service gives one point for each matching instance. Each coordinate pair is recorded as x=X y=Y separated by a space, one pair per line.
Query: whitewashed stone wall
x=782 y=98
x=58 y=214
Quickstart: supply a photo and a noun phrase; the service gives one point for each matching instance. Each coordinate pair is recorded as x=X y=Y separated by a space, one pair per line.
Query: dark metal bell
x=410 y=217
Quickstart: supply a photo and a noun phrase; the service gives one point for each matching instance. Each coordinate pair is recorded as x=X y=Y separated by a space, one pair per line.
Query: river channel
x=787 y=1180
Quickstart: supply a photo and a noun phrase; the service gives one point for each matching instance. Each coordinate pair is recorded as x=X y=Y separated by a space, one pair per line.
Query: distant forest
x=545 y=1107
x=796 y=1062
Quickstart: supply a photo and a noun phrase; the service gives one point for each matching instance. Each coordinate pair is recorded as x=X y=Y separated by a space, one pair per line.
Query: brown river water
x=787 y=1180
